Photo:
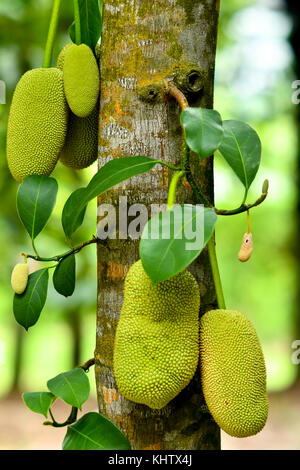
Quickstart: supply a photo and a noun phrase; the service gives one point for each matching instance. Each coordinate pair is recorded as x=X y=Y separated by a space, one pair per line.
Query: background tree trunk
x=142 y=43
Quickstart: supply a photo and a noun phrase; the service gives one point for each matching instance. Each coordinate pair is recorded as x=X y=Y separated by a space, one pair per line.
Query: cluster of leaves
x=92 y=431
x=162 y=257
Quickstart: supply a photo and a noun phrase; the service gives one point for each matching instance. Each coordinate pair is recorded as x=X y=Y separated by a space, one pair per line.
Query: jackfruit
x=157 y=338
x=37 y=123
x=81 y=145
x=81 y=79
x=19 y=278
x=233 y=372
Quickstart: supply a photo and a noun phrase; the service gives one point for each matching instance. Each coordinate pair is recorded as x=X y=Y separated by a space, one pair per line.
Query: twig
x=88 y=364
x=75 y=250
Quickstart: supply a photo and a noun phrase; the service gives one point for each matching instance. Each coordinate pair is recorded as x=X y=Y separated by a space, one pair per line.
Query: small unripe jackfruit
x=61 y=57
x=81 y=79
x=19 y=278
x=37 y=123
x=233 y=372
x=157 y=338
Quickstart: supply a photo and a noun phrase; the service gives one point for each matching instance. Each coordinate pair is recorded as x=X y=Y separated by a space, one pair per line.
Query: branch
x=88 y=364
x=75 y=250
x=246 y=207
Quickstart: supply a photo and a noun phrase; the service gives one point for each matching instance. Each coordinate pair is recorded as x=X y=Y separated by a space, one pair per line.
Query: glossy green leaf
x=112 y=173
x=173 y=239
x=203 y=130
x=94 y=432
x=64 y=276
x=27 y=307
x=90 y=22
x=72 y=386
x=39 y=402
x=241 y=148
x=35 y=202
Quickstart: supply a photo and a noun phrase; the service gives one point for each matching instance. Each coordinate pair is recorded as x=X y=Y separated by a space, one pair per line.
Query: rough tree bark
x=144 y=42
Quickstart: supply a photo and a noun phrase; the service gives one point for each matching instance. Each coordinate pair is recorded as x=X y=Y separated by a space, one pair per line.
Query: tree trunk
x=144 y=42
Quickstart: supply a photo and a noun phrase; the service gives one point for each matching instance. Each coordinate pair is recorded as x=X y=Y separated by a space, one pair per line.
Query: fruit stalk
x=77 y=23
x=51 y=34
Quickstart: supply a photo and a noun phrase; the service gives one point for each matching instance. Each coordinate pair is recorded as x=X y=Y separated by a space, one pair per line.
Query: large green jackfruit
x=81 y=144
x=37 y=123
x=157 y=338
x=81 y=79
x=233 y=372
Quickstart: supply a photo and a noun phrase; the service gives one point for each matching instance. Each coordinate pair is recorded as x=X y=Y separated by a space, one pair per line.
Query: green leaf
x=39 y=402
x=173 y=239
x=241 y=148
x=94 y=432
x=90 y=22
x=35 y=202
x=203 y=130
x=111 y=174
x=64 y=276
x=72 y=386
x=27 y=307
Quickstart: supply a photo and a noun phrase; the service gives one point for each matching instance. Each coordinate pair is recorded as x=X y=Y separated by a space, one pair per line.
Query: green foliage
x=39 y=402
x=72 y=386
x=64 y=276
x=203 y=130
x=173 y=239
x=94 y=432
x=27 y=307
x=90 y=22
x=35 y=202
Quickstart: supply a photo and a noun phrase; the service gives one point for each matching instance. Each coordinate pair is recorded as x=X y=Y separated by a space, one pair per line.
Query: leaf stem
x=77 y=23
x=173 y=187
x=75 y=250
x=71 y=419
x=51 y=34
x=211 y=245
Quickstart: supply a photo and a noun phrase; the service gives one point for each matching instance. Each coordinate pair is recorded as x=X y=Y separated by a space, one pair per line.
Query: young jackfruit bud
x=246 y=248
x=19 y=278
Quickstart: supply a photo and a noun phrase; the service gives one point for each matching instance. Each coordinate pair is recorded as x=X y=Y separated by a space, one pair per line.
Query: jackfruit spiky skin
x=37 y=123
x=233 y=372
x=19 y=278
x=81 y=79
x=81 y=145
x=157 y=338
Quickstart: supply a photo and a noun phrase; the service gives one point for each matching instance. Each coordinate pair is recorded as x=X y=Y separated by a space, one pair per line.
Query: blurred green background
x=254 y=72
